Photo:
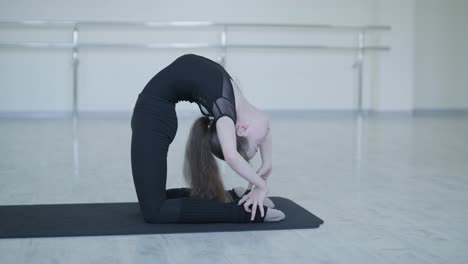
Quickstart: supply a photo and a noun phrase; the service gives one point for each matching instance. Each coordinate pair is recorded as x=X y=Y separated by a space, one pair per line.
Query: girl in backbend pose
x=231 y=129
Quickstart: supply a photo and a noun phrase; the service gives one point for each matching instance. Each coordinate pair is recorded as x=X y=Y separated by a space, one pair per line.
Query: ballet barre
x=75 y=45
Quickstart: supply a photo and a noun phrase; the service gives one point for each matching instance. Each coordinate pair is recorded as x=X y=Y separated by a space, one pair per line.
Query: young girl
x=231 y=129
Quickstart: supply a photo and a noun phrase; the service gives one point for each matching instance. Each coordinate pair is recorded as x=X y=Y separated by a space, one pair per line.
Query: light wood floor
x=401 y=196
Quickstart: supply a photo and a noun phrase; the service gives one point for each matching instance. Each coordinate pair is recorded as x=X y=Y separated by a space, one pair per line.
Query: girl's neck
x=243 y=106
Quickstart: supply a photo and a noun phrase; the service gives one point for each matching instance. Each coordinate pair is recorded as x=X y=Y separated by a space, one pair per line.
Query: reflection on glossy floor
x=399 y=197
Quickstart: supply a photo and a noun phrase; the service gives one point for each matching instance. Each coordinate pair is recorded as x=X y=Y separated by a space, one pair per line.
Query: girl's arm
x=243 y=168
x=265 y=149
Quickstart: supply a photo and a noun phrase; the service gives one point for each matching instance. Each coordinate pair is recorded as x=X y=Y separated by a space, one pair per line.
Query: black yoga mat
x=98 y=219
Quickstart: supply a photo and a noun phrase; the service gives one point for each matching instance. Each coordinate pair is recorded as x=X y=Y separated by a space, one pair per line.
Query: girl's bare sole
x=273 y=215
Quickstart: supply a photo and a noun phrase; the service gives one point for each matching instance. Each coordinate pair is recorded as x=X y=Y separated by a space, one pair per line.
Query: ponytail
x=201 y=170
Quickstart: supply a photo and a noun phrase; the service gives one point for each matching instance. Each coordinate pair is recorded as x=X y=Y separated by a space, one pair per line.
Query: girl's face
x=255 y=133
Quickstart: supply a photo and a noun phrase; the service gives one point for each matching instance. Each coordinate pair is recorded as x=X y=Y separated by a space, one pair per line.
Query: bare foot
x=273 y=215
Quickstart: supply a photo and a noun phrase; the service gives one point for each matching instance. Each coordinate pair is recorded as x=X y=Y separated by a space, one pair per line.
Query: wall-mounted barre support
x=358 y=64
x=75 y=62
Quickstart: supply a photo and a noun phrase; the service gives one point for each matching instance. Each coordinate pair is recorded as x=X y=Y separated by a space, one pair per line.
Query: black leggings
x=154 y=126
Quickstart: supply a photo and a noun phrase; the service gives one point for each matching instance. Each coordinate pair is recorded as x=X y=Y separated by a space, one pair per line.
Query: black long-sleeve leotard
x=154 y=123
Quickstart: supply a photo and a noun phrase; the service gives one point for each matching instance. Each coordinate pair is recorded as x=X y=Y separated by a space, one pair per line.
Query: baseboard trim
x=441 y=112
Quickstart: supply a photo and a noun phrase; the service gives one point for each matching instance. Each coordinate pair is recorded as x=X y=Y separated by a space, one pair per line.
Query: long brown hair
x=201 y=170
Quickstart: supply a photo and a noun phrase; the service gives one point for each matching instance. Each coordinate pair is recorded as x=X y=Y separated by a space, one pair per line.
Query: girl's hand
x=255 y=197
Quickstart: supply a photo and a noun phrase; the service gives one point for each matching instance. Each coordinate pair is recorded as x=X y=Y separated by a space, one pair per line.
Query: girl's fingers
x=248 y=202
x=254 y=210
x=246 y=205
x=262 y=212
x=243 y=199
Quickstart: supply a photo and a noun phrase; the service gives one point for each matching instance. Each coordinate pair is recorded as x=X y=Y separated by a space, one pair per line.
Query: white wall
x=110 y=79
x=394 y=91
x=441 y=54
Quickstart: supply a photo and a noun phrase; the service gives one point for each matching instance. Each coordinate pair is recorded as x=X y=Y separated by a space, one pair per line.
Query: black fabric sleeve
x=225 y=105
